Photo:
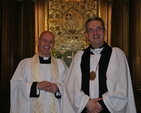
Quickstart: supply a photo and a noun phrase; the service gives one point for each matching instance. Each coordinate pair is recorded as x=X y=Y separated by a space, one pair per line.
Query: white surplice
x=118 y=99
x=21 y=83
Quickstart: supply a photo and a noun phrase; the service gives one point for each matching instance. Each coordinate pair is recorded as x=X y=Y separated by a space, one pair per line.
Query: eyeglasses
x=98 y=29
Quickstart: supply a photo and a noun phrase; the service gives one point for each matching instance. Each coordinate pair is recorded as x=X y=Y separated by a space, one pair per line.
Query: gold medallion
x=92 y=75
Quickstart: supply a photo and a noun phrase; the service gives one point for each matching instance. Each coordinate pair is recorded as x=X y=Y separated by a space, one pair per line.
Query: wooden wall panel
x=126 y=35
x=120 y=25
x=135 y=48
x=17 y=42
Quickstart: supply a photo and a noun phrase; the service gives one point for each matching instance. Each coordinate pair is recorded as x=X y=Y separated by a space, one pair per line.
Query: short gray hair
x=92 y=19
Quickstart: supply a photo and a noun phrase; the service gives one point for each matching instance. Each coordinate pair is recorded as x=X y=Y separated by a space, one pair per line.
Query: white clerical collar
x=96 y=50
x=45 y=58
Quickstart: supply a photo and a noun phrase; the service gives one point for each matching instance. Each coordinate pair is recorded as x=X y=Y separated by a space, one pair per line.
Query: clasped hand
x=93 y=106
x=48 y=86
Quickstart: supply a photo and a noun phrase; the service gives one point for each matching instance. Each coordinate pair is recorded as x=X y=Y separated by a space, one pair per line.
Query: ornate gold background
x=66 y=20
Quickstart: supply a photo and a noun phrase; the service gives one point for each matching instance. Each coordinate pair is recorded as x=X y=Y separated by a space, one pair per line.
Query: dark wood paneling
x=126 y=27
x=138 y=101
x=4 y=100
x=135 y=48
x=17 y=42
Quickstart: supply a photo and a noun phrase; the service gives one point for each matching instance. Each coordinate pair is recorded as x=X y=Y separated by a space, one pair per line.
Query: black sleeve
x=57 y=94
x=105 y=109
x=34 y=90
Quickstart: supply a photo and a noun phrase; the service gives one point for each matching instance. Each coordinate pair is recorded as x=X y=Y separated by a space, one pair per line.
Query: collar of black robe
x=95 y=49
x=44 y=61
x=103 y=64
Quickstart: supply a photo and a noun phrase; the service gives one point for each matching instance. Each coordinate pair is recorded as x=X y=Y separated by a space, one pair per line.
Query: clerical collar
x=45 y=60
x=96 y=50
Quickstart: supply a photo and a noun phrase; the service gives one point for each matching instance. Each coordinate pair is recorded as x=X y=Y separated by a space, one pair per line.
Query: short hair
x=92 y=19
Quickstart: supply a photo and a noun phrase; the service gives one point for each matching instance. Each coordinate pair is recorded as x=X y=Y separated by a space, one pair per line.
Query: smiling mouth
x=46 y=47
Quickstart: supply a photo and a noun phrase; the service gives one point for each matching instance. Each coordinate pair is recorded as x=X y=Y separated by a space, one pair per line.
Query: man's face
x=46 y=44
x=95 y=33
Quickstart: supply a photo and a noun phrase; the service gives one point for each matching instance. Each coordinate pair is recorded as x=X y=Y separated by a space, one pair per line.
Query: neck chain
x=93 y=73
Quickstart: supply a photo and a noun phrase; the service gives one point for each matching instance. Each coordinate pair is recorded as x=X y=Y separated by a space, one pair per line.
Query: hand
x=48 y=86
x=52 y=88
x=43 y=85
x=93 y=106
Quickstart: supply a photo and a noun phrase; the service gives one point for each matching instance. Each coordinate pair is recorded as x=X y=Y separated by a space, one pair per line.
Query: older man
x=98 y=79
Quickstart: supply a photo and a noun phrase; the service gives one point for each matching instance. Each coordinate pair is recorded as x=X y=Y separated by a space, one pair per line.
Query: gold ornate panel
x=66 y=20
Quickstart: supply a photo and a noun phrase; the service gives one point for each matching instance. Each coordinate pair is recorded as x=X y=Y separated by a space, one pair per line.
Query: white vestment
x=21 y=82
x=118 y=99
